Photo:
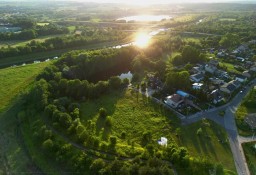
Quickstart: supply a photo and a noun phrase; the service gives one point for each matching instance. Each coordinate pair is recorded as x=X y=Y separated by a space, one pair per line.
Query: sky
x=162 y=1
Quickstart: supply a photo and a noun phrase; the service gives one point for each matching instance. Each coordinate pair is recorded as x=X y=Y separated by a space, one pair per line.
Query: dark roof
x=231 y=87
x=198 y=76
x=241 y=76
x=236 y=83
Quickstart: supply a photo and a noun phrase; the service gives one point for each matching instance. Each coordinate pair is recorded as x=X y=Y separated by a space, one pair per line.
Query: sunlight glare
x=142 y=40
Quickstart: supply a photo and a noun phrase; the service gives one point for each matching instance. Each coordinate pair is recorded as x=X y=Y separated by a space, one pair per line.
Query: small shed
x=163 y=141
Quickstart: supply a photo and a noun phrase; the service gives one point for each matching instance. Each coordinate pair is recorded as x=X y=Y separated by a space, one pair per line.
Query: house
x=246 y=74
x=214 y=62
x=197 y=77
x=216 y=81
x=242 y=48
x=197 y=86
x=174 y=100
x=217 y=96
x=221 y=54
x=253 y=68
x=241 y=78
x=210 y=68
x=228 y=88
x=236 y=83
x=240 y=59
x=197 y=70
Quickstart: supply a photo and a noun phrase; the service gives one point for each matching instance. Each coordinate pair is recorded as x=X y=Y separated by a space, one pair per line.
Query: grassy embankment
x=9 y=61
x=250 y=155
x=14 y=158
x=135 y=117
x=247 y=106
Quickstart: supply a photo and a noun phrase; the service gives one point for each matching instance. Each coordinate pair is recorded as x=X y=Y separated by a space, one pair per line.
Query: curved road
x=228 y=122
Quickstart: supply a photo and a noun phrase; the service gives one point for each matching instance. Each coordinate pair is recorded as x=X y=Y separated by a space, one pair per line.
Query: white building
x=163 y=141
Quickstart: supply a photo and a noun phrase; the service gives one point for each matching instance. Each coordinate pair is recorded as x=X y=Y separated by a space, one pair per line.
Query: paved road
x=228 y=122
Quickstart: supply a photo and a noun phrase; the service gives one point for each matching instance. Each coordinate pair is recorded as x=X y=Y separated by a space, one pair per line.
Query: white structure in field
x=163 y=141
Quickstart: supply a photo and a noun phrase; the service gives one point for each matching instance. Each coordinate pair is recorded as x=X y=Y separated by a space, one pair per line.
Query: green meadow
x=134 y=114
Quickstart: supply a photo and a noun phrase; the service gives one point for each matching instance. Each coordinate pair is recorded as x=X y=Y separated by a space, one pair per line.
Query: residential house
x=246 y=74
x=228 y=88
x=221 y=54
x=236 y=83
x=242 y=48
x=216 y=81
x=197 y=70
x=217 y=96
x=197 y=77
x=240 y=59
x=197 y=86
x=241 y=78
x=174 y=100
x=210 y=68
x=214 y=62
x=253 y=68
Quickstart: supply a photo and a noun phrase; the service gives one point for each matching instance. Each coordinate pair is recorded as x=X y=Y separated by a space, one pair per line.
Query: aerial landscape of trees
x=75 y=114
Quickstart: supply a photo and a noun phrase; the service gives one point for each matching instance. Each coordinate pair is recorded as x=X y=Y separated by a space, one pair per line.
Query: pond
x=144 y=18
x=126 y=75
x=4 y=29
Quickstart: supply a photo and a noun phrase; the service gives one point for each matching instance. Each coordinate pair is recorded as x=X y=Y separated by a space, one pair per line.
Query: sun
x=142 y=40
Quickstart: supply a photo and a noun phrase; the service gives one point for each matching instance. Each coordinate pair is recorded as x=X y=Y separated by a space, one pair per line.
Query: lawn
x=14 y=158
x=212 y=142
x=135 y=116
x=131 y=116
x=14 y=80
x=230 y=67
x=247 y=106
x=42 y=23
x=250 y=155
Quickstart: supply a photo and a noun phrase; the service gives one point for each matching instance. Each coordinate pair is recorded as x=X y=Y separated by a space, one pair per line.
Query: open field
x=23 y=43
x=9 y=61
x=14 y=80
x=14 y=158
x=211 y=143
x=246 y=107
x=135 y=117
x=250 y=155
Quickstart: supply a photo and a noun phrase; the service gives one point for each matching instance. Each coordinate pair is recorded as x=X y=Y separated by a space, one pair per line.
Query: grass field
x=9 y=61
x=246 y=107
x=14 y=158
x=250 y=155
x=23 y=43
x=14 y=80
x=135 y=117
x=211 y=143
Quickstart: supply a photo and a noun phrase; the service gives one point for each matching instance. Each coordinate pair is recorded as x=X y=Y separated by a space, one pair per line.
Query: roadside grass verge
x=207 y=139
x=247 y=106
x=15 y=80
x=250 y=155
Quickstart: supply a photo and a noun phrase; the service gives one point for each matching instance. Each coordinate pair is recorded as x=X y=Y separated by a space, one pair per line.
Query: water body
x=126 y=75
x=150 y=34
x=145 y=18
x=4 y=29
